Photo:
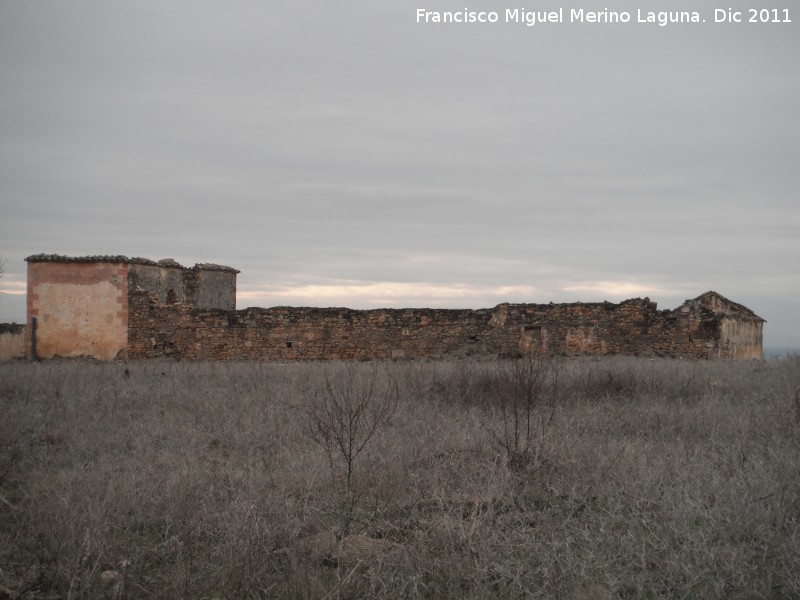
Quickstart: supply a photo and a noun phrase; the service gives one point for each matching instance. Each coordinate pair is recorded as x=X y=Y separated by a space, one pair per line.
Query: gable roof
x=720 y=305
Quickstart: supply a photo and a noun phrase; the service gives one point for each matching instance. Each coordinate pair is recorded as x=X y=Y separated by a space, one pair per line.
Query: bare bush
x=526 y=397
x=345 y=413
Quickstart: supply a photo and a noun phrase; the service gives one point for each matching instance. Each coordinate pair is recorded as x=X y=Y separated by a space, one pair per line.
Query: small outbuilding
x=78 y=306
x=738 y=331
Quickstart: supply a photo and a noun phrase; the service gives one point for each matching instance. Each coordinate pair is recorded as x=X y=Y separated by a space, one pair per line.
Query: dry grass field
x=585 y=478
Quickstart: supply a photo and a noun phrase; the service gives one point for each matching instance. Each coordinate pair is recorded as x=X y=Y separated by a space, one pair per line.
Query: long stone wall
x=289 y=334
x=285 y=333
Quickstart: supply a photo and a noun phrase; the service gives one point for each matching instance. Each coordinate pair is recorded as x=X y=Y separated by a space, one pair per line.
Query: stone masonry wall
x=202 y=286
x=288 y=334
x=284 y=333
x=216 y=287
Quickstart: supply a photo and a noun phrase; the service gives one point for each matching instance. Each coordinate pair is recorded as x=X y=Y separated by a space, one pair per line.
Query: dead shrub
x=344 y=414
x=526 y=397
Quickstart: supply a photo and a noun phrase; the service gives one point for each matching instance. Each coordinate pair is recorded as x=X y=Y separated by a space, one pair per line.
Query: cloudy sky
x=343 y=154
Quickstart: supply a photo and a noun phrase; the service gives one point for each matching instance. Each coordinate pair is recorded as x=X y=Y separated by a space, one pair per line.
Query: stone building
x=81 y=303
x=112 y=307
x=738 y=330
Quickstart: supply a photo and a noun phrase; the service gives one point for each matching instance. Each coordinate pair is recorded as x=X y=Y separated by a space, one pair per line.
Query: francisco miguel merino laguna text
x=576 y=15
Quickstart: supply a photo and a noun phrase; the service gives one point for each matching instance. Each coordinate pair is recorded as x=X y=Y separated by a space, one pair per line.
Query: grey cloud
x=316 y=142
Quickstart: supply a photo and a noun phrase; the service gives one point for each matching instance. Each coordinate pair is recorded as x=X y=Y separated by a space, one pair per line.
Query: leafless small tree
x=527 y=399
x=344 y=415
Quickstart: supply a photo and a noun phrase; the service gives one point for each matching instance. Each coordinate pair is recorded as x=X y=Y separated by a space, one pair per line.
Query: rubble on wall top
x=215 y=267
x=170 y=262
x=604 y=303
x=116 y=259
x=89 y=259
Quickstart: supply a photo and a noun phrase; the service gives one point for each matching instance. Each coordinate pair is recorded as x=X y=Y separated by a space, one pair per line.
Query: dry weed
x=663 y=479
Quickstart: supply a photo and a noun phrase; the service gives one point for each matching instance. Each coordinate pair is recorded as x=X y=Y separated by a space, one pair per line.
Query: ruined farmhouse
x=115 y=307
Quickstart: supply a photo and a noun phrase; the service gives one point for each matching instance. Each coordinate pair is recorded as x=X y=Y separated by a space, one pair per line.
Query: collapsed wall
x=633 y=327
x=287 y=333
x=200 y=286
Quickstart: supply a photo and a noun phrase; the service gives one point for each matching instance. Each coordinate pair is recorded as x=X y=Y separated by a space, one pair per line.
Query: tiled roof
x=166 y=262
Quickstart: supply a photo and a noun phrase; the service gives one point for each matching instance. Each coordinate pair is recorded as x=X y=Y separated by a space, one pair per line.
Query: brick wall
x=283 y=334
x=81 y=309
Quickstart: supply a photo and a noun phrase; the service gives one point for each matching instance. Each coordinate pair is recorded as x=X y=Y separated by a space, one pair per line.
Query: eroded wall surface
x=741 y=338
x=81 y=309
x=216 y=288
x=634 y=327
x=201 y=286
x=160 y=280
x=287 y=333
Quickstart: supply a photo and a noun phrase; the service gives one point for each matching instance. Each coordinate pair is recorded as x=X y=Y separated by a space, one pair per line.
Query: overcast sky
x=343 y=154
